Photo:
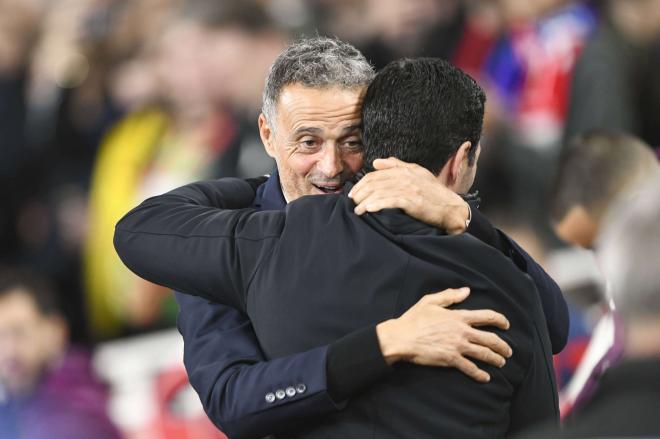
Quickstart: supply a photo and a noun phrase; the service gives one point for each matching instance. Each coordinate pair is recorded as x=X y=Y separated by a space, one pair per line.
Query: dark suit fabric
x=229 y=371
x=316 y=272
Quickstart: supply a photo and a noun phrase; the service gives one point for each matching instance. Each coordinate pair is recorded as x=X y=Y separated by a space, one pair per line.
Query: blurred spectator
x=58 y=114
x=626 y=402
x=483 y=25
x=596 y=170
x=19 y=25
x=48 y=390
x=198 y=122
x=413 y=28
x=385 y=30
x=616 y=83
x=527 y=75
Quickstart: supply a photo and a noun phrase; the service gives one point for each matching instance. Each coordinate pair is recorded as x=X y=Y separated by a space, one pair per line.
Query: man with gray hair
x=311 y=126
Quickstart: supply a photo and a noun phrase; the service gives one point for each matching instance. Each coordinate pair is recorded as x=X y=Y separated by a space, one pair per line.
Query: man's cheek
x=355 y=162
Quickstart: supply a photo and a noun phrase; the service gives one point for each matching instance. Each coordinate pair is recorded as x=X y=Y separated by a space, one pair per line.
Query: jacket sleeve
x=235 y=383
x=178 y=240
x=552 y=299
x=225 y=364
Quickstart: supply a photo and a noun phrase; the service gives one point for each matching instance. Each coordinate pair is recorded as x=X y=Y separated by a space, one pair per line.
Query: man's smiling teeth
x=328 y=189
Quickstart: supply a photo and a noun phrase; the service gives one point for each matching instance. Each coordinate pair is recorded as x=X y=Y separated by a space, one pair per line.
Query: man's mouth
x=329 y=188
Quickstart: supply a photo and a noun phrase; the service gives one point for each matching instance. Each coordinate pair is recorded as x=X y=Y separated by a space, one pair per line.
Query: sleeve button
x=301 y=388
x=270 y=398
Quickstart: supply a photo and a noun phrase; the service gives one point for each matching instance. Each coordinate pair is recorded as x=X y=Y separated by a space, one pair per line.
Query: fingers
x=490 y=341
x=401 y=176
x=484 y=354
x=373 y=181
x=391 y=162
x=378 y=201
x=470 y=369
x=485 y=317
x=448 y=297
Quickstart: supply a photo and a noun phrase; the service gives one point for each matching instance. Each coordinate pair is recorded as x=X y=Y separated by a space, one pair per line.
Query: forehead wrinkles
x=321 y=108
x=337 y=123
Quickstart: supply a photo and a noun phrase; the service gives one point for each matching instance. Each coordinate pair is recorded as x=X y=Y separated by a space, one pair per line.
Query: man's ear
x=450 y=174
x=267 y=135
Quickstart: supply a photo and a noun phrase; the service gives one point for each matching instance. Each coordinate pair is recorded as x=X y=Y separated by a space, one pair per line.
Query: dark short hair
x=595 y=167
x=34 y=285
x=421 y=110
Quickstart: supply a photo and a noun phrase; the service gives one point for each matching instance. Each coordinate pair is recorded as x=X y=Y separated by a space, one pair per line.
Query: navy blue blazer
x=229 y=371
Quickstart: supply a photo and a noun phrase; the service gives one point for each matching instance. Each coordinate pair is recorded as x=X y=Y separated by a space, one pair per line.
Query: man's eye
x=309 y=144
x=353 y=144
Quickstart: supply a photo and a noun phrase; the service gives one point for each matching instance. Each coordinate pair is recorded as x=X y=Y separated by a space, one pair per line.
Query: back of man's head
x=595 y=170
x=318 y=62
x=421 y=111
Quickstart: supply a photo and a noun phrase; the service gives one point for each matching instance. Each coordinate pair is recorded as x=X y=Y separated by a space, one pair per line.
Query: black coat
x=315 y=272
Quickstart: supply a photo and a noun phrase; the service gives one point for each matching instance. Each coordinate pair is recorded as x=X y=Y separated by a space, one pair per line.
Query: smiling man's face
x=316 y=138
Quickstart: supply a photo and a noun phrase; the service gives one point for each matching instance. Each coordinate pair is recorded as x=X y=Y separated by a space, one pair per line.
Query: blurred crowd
x=104 y=103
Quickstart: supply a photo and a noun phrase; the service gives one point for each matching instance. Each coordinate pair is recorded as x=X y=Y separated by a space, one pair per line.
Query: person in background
x=527 y=76
x=596 y=170
x=47 y=388
x=193 y=128
x=627 y=400
x=615 y=84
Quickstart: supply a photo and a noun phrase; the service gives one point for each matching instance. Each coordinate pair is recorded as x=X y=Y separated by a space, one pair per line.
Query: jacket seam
x=132 y=232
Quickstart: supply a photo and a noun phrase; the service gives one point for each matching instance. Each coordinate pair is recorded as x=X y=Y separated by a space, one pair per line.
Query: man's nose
x=330 y=163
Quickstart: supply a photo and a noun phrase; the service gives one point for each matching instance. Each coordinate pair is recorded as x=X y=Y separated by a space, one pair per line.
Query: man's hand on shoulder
x=429 y=334
x=400 y=185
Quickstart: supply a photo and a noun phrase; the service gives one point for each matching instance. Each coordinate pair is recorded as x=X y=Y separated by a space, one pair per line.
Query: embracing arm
x=406 y=186
x=179 y=241
x=222 y=356
x=238 y=387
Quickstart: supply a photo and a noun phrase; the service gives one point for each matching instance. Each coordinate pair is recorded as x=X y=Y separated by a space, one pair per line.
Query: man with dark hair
x=454 y=99
x=46 y=387
x=316 y=272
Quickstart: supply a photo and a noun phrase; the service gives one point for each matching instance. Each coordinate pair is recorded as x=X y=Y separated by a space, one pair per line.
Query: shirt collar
x=269 y=195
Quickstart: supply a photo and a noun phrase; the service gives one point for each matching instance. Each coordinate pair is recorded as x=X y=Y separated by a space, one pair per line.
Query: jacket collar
x=395 y=221
x=269 y=195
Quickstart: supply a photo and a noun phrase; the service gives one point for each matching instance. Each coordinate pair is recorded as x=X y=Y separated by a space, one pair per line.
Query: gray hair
x=630 y=252
x=317 y=62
